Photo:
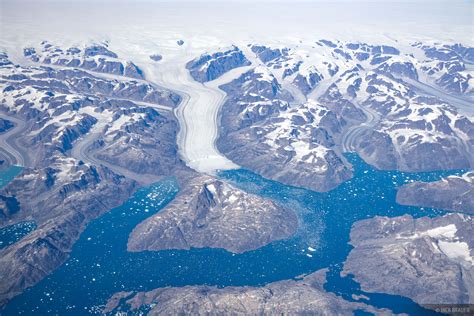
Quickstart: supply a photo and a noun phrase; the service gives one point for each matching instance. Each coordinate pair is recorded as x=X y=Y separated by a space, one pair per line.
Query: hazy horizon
x=351 y=19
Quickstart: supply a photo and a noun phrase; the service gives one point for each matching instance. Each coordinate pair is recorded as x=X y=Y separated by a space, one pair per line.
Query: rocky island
x=455 y=193
x=212 y=213
x=305 y=296
x=430 y=260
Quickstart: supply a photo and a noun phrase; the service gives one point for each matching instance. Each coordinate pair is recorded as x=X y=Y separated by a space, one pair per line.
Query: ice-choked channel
x=99 y=264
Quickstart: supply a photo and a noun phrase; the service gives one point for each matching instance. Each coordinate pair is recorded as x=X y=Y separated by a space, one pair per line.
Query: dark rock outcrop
x=5 y=125
x=208 y=67
x=156 y=57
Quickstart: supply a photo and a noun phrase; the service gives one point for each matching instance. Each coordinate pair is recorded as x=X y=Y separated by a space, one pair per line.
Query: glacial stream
x=99 y=264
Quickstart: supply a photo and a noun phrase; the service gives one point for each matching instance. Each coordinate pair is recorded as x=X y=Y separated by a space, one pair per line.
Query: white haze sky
x=24 y=22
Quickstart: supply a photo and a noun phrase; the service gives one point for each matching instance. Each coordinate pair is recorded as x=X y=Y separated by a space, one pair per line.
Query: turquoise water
x=8 y=173
x=99 y=264
x=12 y=233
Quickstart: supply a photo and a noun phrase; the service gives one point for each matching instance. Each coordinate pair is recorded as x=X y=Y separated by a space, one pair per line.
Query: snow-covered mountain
x=96 y=57
x=61 y=105
x=87 y=120
x=292 y=116
x=86 y=142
